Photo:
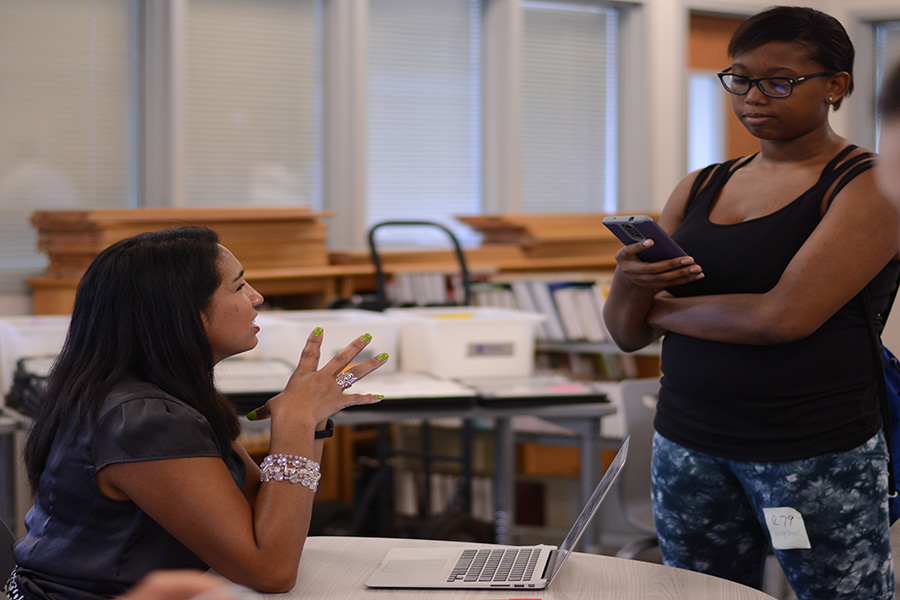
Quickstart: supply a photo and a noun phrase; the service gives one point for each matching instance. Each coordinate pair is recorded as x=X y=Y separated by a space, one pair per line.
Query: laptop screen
x=587 y=513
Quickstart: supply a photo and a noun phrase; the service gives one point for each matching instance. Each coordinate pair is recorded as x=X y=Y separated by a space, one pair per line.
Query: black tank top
x=781 y=402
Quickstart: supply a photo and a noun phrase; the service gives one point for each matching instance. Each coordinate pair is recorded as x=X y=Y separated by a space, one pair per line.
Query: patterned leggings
x=709 y=518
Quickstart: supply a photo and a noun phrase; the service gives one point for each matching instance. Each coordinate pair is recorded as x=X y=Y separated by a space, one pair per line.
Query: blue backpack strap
x=885 y=358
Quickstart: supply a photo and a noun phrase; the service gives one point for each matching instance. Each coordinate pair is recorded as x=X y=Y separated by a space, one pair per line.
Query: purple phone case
x=664 y=246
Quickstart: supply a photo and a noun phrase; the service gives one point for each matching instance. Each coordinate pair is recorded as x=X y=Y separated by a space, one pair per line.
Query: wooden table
x=337 y=567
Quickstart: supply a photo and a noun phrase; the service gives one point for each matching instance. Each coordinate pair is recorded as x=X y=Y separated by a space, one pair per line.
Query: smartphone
x=637 y=228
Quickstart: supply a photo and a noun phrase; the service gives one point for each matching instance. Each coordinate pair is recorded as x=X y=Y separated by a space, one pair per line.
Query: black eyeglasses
x=773 y=87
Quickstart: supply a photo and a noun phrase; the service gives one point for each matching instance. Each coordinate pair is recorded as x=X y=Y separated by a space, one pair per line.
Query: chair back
x=638 y=409
x=7 y=561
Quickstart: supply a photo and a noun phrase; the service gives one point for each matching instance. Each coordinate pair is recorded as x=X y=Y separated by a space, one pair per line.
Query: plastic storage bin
x=283 y=333
x=467 y=341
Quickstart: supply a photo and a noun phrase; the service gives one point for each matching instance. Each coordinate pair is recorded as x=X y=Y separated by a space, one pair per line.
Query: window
x=569 y=144
x=121 y=103
x=424 y=119
x=66 y=104
x=252 y=99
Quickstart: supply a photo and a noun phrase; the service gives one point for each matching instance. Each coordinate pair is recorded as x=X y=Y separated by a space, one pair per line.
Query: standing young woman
x=133 y=458
x=768 y=430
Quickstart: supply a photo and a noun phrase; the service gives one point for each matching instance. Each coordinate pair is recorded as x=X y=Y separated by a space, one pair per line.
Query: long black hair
x=820 y=34
x=137 y=314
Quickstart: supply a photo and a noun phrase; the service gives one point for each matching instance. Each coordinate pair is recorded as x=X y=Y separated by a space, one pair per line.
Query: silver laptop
x=490 y=567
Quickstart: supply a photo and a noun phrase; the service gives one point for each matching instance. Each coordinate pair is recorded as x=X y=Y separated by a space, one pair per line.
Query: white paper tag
x=786 y=528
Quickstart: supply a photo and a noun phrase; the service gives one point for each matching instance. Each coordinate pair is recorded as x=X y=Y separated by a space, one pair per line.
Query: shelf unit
x=295 y=263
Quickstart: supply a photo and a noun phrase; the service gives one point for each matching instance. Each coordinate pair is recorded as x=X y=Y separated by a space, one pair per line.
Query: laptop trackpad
x=415 y=564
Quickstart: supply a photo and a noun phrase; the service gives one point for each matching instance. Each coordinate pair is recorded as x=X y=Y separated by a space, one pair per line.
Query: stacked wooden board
x=262 y=239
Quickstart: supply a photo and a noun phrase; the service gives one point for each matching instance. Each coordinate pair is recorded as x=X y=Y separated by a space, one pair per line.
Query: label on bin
x=496 y=349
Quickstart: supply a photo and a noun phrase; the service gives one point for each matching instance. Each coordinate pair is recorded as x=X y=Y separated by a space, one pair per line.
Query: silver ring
x=346 y=379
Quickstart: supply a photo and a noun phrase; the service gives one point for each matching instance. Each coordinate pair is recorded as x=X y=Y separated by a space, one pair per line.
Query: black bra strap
x=858 y=164
x=834 y=162
x=701 y=178
x=717 y=173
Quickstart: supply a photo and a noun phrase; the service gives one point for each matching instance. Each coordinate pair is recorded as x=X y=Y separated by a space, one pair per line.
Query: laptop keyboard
x=511 y=564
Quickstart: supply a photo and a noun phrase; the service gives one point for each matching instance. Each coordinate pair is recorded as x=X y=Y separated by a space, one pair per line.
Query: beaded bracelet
x=291 y=468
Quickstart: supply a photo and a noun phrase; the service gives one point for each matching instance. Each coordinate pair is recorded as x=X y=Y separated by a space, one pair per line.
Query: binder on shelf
x=521 y=290
x=543 y=298
x=564 y=298
x=590 y=314
x=497 y=295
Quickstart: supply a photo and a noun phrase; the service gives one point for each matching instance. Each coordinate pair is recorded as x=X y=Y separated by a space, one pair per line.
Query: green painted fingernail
x=252 y=416
x=317 y=331
x=383 y=356
x=366 y=337
x=379 y=396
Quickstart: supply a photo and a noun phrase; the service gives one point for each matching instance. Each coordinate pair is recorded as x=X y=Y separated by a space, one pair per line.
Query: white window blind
x=65 y=108
x=424 y=116
x=253 y=90
x=568 y=107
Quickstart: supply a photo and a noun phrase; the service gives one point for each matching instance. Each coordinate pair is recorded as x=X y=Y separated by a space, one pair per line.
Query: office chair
x=381 y=276
x=638 y=409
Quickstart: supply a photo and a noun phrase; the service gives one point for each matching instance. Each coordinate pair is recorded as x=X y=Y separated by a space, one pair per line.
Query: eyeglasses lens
x=735 y=83
x=775 y=87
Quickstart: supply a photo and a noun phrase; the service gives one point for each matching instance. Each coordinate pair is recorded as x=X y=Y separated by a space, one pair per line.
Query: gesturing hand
x=321 y=392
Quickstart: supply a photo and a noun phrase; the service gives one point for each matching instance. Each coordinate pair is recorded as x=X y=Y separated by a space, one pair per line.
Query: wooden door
x=708 y=51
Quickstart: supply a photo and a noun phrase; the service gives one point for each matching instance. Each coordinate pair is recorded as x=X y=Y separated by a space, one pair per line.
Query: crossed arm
x=857 y=236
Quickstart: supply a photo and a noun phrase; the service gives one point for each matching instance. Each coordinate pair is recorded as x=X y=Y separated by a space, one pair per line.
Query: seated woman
x=133 y=458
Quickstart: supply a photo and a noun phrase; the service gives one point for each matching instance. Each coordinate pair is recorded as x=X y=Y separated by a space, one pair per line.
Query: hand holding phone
x=631 y=229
